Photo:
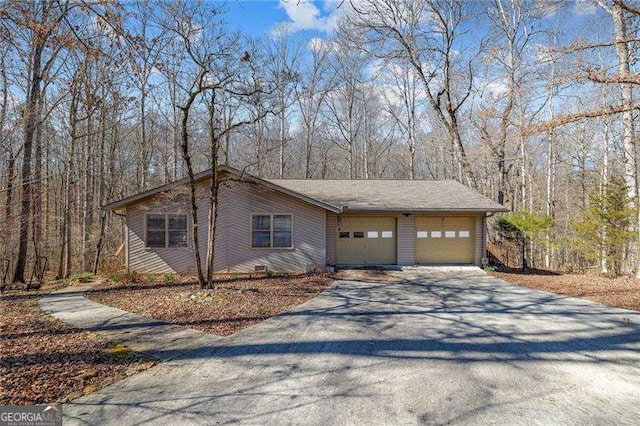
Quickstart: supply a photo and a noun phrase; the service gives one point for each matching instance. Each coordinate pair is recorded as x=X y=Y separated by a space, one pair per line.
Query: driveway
x=417 y=347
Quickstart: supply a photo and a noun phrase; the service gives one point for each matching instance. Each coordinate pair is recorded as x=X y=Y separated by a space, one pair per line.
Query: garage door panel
x=366 y=241
x=445 y=240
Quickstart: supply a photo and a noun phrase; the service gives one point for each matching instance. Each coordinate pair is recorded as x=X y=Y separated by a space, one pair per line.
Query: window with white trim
x=450 y=234
x=463 y=234
x=165 y=230
x=271 y=231
x=372 y=234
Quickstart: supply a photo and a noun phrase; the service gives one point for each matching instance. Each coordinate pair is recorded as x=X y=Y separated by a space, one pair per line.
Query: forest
x=529 y=102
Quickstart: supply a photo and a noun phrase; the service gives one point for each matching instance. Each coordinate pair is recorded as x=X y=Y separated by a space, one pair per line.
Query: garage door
x=445 y=240
x=366 y=241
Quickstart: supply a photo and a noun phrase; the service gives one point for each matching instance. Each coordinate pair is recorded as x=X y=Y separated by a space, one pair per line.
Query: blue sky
x=260 y=17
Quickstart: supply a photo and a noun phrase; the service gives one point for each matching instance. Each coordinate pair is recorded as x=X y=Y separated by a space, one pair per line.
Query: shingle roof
x=409 y=195
x=336 y=195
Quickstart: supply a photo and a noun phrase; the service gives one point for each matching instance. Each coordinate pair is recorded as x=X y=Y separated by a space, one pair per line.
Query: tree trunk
x=186 y=156
x=629 y=158
x=30 y=118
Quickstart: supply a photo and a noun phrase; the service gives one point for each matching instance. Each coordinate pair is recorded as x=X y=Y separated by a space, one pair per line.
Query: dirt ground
x=622 y=292
x=235 y=302
x=44 y=361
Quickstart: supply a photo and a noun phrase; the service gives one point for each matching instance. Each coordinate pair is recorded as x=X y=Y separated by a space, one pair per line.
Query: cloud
x=495 y=90
x=305 y=15
x=316 y=44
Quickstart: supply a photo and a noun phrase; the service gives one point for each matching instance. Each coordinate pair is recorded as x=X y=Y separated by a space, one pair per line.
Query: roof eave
x=426 y=210
x=150 y=193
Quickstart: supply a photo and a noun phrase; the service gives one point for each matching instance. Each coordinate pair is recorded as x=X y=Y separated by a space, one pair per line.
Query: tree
x=221 y=66
x=610 y=212
x=45 y=24
x=425 y=34
x=524 y=228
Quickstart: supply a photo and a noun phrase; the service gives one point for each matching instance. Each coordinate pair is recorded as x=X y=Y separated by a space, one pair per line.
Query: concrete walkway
x=161 y=340
x=424 y=348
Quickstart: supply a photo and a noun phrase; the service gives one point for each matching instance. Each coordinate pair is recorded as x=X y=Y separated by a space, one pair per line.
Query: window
x=358 y=234
x=463 y=234
x=436 y=234
x=422 y=234
x=372 y=234
x=387 y=234
x=344 y=235
x=166 y=230
x=177 y=228
x=450 y=234
x=271 y=231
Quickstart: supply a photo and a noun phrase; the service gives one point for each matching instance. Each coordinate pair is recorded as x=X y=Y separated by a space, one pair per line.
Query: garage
x=366 y=241
x=444 y=240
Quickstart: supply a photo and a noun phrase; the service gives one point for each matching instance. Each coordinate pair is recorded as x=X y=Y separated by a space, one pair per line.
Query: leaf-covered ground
x=43 y=361
x=623 y=292
x=234 y=303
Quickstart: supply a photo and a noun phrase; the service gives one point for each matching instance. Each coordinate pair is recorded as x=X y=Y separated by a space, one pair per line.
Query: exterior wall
x=481 y=239
x=233 y=252
x=331 y=230
x=406 y=235
x=240 y=200
x=160 y=260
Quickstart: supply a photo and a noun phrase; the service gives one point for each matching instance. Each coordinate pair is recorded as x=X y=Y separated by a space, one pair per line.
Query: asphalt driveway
x=428 y=347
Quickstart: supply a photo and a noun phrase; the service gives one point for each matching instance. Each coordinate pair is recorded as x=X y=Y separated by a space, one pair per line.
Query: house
x=297 y=225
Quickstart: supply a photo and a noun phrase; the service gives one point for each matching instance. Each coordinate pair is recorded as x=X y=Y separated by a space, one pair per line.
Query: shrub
x=124 y=277
x=168 y=278
x=523 y=227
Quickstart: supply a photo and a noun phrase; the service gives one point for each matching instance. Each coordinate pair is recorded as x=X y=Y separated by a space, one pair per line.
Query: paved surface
x=429 y=347
x=161 y=340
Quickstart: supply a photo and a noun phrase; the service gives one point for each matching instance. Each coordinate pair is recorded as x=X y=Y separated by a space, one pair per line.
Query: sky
x=315 y=17
x=260 y=17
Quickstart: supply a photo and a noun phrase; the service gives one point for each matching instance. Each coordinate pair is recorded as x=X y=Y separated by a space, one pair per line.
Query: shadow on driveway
x=420 y=349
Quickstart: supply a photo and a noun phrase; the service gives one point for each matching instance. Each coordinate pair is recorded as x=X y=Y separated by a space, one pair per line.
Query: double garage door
x=373 y=240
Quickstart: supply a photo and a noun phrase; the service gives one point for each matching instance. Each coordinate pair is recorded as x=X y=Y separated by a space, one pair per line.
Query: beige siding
x=241 y=200
x=160 y=260
x=233 y=252
x=331 y=231
x=406 y=230
x=481 y=237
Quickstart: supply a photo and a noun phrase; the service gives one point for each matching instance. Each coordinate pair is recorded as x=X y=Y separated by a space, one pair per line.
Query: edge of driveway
x=161 y=340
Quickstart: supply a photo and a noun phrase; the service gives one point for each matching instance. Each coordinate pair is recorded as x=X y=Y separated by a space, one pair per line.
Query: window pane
x=178 y=238
x=282 y=239
x=155 y=221
x=372 y=234
x=436 y=234
x=178 y=222
x=463 y=234
x=344 y=235
x=450 y=234
x=155 y=238
x=422 y=234
x=261 y=239
x=358 y=234
x=387 y=234
x=282 y=222
x=261 y=223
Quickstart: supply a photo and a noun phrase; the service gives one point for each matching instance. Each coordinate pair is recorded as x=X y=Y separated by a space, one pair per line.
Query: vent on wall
x=260 y=268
